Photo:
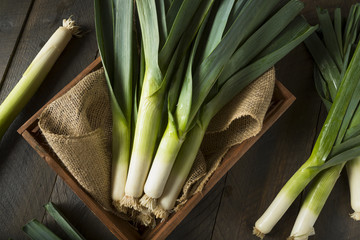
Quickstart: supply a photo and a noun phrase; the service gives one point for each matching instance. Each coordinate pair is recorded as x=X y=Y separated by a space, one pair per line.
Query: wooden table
x=229 y=210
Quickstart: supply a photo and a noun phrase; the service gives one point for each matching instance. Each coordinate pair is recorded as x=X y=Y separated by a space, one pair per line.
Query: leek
x=35 y=74
x=353 y=169
x=63 y=222
x=37 y=231
x=289 y=38
x=342 y=109
x=324 y=183
x=114 y=32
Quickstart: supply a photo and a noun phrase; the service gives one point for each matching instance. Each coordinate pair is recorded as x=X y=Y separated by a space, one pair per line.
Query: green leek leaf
x=68 y=228
x=37 y=231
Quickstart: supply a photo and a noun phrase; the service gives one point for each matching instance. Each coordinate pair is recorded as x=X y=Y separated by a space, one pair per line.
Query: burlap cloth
x=77 y=126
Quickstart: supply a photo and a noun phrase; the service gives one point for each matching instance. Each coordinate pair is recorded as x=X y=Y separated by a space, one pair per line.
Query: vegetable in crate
x=35 y=74
x=195 y=57
x=115 y=36
x=238 y=73
x=337 y=80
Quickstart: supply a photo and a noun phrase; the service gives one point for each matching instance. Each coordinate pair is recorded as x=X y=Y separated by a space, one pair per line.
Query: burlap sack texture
x=78 y=128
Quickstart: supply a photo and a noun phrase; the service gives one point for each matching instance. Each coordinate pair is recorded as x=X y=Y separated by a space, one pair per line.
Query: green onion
x=35 y=74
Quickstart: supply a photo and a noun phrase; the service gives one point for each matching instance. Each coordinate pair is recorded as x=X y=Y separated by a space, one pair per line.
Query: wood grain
x=200 y=222
x=12 y=22
x=77 y=213
x=26 y=182
x=232 y=206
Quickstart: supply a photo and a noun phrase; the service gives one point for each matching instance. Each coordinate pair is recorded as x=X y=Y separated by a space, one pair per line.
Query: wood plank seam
x=218 y=208
x=2 y=80
x=49 y=198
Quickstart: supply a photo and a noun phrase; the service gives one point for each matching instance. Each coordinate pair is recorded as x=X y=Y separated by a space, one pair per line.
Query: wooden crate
x=281 y=101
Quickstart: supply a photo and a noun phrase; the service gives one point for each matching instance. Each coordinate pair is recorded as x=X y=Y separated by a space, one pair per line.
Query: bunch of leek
x=335 y=51
x=337 y=78
x=194 y=57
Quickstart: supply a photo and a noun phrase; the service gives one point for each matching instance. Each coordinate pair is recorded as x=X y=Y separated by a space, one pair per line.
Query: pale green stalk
x=35 y=74
x=314 y=202
x=114 y=32
x=180 y=171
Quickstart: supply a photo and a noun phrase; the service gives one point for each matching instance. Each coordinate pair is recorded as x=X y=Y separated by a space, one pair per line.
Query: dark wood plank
x=199 y=223
x=26 y=180
x=77 y=213
x=12 y=20
x=256 y=179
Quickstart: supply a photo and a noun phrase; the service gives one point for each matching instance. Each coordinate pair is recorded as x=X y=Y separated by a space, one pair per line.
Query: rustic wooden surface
x=232 y=206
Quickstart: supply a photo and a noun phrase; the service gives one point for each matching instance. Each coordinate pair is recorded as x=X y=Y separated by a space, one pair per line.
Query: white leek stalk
x=150 y=107
x=353 y=171
x=314 y=202
x=180 y=171
x=35 y=74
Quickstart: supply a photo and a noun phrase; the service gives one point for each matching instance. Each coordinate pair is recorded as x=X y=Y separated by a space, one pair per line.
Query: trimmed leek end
x=159 y=212
x=148 y=202
x=304 y=236
x=303 y=227
x=118 y=205
x=72 y=27
x=274 y=212
x=145 y=218
x=131 y=202
x=258 y=233
x=355 y=216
